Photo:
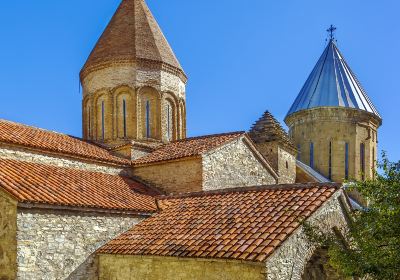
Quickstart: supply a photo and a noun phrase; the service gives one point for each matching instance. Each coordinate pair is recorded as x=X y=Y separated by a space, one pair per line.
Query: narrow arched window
x=362 y=160
x=147 y=119
x=373 y=163
x=124 y=117
x=346 y=161
x=312 y=155
x=330 y=161
x=102 y=120
x=89 y=125
x=169 y=127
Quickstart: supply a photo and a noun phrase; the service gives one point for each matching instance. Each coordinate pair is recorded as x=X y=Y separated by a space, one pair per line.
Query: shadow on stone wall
x=88 y=270
x=318 y=267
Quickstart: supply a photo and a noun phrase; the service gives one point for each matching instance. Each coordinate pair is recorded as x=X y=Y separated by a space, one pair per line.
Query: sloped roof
x=45 y=184
x=132 y=34
x=245 y=224
x=188 y=147
x=268 y=129
x=332 y=84
x=44 y=140
x=306 y=174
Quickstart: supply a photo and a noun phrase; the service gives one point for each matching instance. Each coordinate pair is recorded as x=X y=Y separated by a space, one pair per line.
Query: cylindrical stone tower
x=133 y=85
x=333 y=122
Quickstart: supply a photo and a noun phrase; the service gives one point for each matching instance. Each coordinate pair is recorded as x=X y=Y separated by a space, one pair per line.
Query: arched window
x=346 y=161
x=150 y=112
x=373 y=163
x=89 y=123
x=169 y=125
x=169 y=121
x=124 y=117
x=312 y=155
x=362 y=160
x=147 y=119
x=102 y=120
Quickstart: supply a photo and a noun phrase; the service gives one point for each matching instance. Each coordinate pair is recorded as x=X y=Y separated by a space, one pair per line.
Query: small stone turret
x=133 y=84
x=274 y=144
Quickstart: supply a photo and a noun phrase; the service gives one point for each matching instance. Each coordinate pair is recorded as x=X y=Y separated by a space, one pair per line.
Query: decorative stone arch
x=124 y=117
x=102 y=101
x=169 y=117
x=318 y=267
x=87 y=117
x=149 y=113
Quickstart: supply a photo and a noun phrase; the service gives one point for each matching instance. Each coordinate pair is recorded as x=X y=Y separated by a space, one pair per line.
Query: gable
x=236 y=164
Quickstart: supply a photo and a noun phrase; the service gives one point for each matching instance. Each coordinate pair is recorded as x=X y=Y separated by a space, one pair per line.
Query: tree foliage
x=371 y=245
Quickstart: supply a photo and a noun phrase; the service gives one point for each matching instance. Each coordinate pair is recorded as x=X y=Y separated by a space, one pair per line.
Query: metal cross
x=331 y=30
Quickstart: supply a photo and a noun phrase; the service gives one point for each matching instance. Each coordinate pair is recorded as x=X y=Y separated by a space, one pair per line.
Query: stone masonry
x=8 y=229
x=289 y=260
x=180 y=176
x=22 y=154
x=329 y=130
x=59 y=244
x=112 y=267
x=235 y=165
x=232 y=165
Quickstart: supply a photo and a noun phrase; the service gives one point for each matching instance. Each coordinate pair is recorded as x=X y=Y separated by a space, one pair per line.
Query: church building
x=135 y=198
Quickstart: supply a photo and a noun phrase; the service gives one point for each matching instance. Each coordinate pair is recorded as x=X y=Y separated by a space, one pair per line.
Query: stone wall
x=14 y=153
x=338 y=126
x=286 y=166
x=234 y=165
x=8 y=232
x=173 y=177
x=55 y=244
x=289 y=261
x=283 y=161
x=112 y=267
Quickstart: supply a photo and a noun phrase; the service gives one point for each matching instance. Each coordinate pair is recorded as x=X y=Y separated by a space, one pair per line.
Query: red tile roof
x=31 y=137
x=247 y=224
x=45 y=184
x=188 y=147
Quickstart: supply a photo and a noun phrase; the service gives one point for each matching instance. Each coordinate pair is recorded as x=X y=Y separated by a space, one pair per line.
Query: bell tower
x=133 y=84
x=333 y=122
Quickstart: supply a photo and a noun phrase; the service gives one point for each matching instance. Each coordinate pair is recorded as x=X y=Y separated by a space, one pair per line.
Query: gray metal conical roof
x=332 y=84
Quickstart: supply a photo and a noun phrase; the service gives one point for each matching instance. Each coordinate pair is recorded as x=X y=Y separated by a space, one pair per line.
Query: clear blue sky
x=242 y=57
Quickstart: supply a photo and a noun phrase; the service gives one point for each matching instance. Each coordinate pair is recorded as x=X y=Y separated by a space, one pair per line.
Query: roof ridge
x=253 y=188
x=207 y=136
x=39 y=128
x=74 y=142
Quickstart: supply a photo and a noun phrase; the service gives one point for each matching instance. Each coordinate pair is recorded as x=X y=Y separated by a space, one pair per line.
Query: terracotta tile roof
x=45 y=184
x=36 y=138
x=244 y=224
x=188 y=147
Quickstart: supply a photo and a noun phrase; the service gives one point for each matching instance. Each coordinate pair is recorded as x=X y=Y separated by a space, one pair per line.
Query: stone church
x=136 y=199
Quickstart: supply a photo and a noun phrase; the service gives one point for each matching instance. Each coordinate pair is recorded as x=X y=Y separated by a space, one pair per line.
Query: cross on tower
x=331 y=30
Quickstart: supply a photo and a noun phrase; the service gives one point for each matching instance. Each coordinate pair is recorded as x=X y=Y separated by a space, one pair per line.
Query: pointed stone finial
x=268 y=129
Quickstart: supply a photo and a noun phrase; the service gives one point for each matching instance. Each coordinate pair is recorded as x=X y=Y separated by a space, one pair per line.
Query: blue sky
x=242 y=57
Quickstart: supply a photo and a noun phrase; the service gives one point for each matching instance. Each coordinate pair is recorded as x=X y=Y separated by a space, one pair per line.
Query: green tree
x=371 y=245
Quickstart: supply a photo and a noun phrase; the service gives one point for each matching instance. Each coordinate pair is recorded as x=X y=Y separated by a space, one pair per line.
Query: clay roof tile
x=200 y=224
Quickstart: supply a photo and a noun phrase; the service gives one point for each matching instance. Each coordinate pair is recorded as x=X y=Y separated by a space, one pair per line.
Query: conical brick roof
x=132 y=35
x=268 y=129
